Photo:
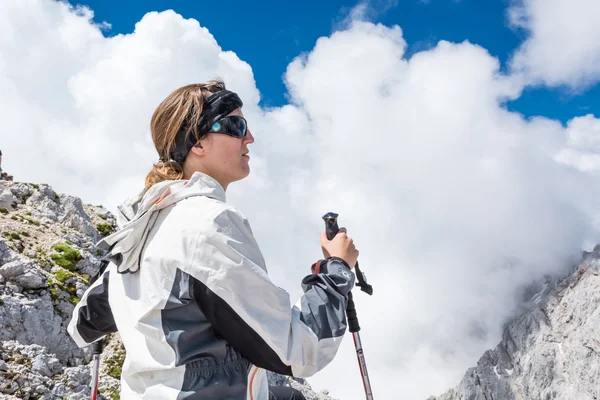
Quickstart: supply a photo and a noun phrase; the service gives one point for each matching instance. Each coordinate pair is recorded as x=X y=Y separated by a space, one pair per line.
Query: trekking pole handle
x=331 y=229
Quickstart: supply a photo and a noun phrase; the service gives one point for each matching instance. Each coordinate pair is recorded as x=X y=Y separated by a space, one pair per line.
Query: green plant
x=32 y=221
x=104 y=228
x=15 y=236
x=28 y=213
x=66 y=256
x=62 y=275
x=102 y=216
x=74 y=300
x=3 y=210
x=55 y=288
x=25 y=233
x=114 y=364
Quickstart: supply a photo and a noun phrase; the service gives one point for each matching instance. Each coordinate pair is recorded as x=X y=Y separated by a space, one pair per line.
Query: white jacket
x=188 y=291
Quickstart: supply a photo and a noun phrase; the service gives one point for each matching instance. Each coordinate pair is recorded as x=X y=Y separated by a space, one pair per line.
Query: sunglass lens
x=239 y=126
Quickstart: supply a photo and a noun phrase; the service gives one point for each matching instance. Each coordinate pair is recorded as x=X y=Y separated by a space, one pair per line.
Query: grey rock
x=103 y=212
x=3 y=366
x=44 y=204
x=6 y=254
x=31 y=280
x=7 y=198
x=300 y=384
x=75 y=217
x=89 y=265
x=75 y=238
x=41 y=389
x=11 y=287
x=35 y=321
x=20 y=190
x=13 y=268
x=47 y=365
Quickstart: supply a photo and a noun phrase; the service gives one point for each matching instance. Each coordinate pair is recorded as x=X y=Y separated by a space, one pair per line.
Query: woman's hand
x=341 y=246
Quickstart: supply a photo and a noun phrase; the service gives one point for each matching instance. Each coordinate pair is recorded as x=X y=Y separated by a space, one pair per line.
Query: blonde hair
x=182 y=106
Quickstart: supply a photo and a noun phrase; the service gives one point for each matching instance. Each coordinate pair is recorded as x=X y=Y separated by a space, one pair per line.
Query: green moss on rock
x=62 y=275
x=32 y=221
x=54 y=293
x=66 y=256
x=114 y=364
x=104 y=229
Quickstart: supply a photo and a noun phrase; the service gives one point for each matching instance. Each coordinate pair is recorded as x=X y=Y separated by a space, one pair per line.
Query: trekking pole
x=96 y=351
x=331 y=229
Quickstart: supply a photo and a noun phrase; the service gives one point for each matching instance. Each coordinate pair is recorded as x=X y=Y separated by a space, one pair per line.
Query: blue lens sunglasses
x=234 y=125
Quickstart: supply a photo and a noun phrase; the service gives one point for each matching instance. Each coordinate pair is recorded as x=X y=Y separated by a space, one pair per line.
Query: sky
x=458 y=140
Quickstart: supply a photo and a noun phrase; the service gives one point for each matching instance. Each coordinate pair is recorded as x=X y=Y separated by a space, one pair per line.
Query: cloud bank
x=562 y=47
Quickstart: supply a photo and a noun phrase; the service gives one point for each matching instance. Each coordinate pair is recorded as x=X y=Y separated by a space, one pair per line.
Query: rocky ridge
x=47 y=258
x=551 y=351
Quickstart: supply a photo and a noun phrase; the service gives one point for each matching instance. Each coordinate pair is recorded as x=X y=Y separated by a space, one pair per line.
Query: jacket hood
x=136 y=216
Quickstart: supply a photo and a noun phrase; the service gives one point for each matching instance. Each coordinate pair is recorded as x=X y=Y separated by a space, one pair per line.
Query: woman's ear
x=200 y=148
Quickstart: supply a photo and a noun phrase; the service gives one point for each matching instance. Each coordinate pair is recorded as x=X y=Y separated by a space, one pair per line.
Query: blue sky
x=269 y=34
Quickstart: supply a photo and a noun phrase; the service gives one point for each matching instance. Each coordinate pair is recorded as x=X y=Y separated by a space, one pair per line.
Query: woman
x=186 y=286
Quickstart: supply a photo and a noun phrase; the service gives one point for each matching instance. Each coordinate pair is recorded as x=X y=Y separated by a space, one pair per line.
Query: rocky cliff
x=551 y=351
x=47 y=256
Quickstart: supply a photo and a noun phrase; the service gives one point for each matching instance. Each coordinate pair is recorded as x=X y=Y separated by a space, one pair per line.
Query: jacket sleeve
x=92 y=318
x=254 y=315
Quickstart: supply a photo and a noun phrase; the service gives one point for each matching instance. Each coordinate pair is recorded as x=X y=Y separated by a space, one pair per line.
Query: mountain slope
x=550 y=352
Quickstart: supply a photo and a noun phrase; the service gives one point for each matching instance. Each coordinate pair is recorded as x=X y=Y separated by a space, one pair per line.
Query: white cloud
x=583 y=144
x=454 y=202
x=563 y=46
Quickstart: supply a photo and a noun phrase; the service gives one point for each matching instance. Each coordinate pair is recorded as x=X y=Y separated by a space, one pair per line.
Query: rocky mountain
x=551 y=351
x=47 y=256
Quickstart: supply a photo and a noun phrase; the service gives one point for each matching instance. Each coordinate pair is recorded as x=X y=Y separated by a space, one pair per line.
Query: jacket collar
x=136 y=216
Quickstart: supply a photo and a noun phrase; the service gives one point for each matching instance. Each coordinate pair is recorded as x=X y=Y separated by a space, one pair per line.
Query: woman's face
x=224 y=157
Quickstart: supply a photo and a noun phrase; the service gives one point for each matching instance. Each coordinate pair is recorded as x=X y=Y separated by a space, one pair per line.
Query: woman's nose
x=249 y=138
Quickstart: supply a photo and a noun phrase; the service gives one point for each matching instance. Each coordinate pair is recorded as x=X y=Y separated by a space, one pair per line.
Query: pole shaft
x=95 y=376
x=362 y=363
